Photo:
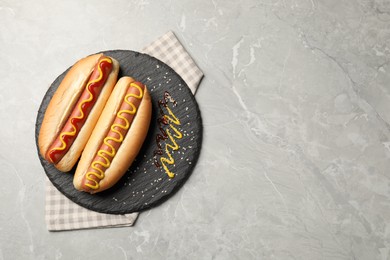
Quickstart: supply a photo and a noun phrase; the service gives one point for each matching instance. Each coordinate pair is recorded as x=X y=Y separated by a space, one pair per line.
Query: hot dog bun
x=64 y=101
x=127 y=150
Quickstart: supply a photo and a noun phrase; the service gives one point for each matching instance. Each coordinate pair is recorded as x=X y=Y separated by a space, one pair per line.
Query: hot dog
x=75 y=108
x=117 y=138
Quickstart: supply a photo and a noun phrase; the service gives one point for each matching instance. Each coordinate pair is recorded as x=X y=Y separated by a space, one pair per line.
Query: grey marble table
x=295 y=100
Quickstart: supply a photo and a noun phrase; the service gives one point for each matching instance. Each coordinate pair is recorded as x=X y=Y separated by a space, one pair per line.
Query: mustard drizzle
x=103 y=153
x=174 y=146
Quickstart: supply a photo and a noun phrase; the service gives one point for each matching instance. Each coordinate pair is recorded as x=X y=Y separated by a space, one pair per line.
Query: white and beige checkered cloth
x=63 y=214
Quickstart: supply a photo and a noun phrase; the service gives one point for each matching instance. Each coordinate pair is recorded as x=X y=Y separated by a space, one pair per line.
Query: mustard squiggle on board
x=106 y=155
x=174 y=146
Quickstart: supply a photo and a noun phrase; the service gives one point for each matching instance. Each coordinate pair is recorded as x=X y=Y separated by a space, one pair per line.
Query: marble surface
x=295 y=158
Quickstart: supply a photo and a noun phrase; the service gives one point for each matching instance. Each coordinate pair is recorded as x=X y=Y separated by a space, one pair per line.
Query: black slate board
x=144 y=185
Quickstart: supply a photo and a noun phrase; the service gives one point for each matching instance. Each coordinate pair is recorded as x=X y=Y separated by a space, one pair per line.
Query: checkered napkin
x=63 y=214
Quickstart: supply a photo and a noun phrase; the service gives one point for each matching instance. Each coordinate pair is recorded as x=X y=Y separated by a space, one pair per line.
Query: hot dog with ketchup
x=117 y=138
x=75 y=108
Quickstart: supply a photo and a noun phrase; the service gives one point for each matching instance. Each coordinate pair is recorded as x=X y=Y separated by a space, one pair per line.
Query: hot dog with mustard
x=117 y=137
